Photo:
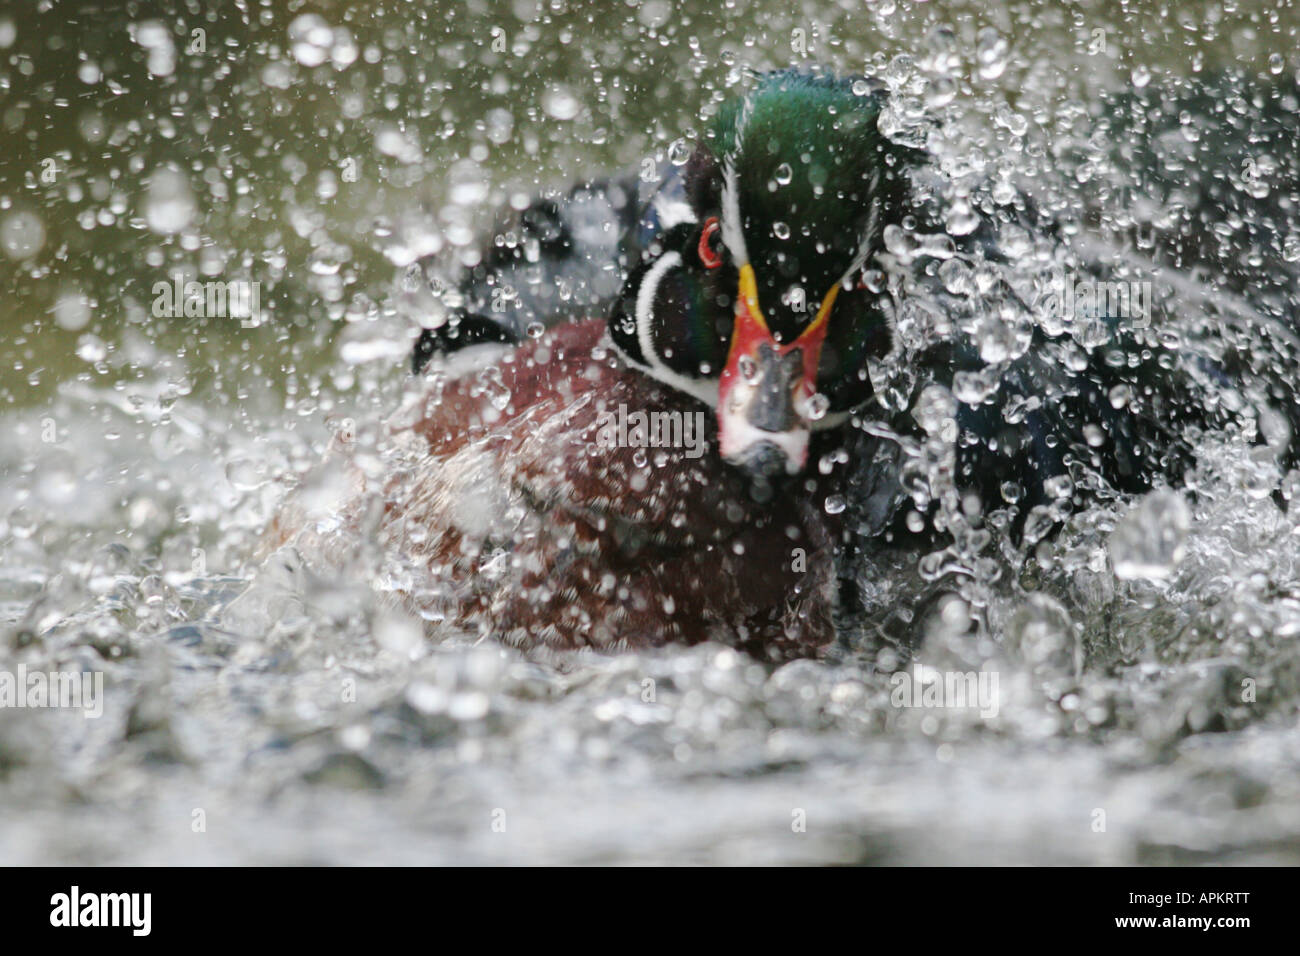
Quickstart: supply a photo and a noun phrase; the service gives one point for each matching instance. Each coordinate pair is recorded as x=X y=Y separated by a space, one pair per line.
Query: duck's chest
x=570 y=501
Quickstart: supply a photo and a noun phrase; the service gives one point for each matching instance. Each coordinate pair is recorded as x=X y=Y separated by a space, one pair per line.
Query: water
x=258 y=709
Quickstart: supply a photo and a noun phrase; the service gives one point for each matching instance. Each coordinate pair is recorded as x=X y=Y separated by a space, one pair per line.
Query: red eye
x=709 y=255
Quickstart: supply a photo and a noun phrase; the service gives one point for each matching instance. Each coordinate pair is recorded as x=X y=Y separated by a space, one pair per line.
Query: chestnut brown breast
x=524 y=521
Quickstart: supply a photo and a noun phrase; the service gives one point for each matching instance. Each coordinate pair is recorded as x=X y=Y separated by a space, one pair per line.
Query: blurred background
x=317 y=148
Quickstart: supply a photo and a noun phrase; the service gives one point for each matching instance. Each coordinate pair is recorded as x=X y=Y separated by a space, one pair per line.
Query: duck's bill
x=766 y=393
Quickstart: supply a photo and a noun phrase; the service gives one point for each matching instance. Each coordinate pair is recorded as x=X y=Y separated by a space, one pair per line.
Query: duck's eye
x=710 y=248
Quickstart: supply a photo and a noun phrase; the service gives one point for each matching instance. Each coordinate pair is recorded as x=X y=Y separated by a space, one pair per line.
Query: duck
x=653 y=411
x=733 y=310
x=724 y=298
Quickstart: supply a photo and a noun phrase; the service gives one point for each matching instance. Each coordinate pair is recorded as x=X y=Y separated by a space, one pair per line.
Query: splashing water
x=1125 y=664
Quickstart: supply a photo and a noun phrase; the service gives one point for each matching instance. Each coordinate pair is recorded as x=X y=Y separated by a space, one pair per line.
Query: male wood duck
x=729 y=294
x=726 y=279
x=560 y=495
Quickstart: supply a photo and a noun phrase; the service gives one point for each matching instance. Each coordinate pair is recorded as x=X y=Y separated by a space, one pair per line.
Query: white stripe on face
x=706 y=390
x=732 y=235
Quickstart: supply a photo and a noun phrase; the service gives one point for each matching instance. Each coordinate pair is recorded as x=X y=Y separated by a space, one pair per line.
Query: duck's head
x=750 y=297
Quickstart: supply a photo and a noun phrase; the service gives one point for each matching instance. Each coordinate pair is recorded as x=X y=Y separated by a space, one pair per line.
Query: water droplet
x=468 y=705
x=22 y=235
x=560 y=103
x=974 y=388
x=1150 y=541
x=156 y=38
x=491 y=385
x=818 y=406
x=343 y=50
x=1010 y=120
x=780 y=230
x=91 y=348
x=327 y=185
x=835 y=504
x=1037 y=523
x=500 y=125
x=941 y=92
x=961 y=220
x=900 y=242
x=654 y=13
x=875 y=280
x=397 y=633
x=310 y=39
x=1058 y=486
x=72 y=312
x=1044 y=636
x=169 y=204
x=784 y=174
x=391 y=141
x=991 y=53
x=935 y=408
x=245 y=474
x=899 y=71
x=936 y=245
x=467 y=184
x=956 y=277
